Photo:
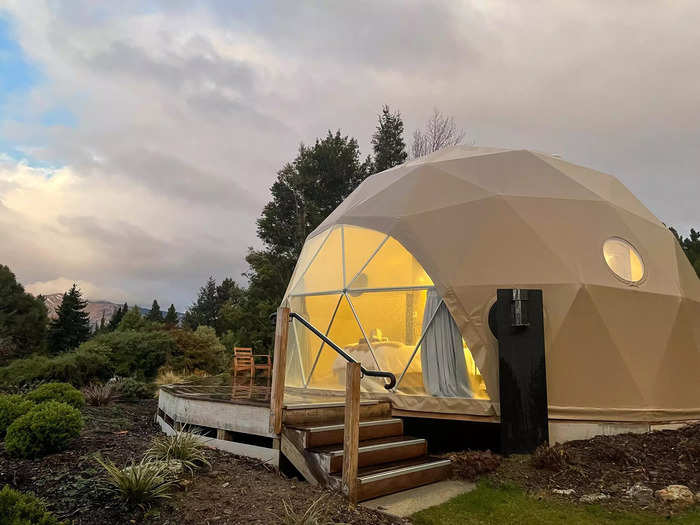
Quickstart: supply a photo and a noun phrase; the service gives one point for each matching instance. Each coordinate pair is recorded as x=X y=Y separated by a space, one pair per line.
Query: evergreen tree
x=115 y=320
x=102 y=322
x=171 y=316
x=72 y=324
x=204 y=311
x=306 y=191
x=387 y=141
x=691 y=247
x=23 y=319
x=155 y=315
x=133 y=320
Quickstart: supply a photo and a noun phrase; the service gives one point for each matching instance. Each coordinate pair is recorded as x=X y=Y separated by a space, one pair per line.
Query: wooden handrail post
x=351 y=434
x=279 y=368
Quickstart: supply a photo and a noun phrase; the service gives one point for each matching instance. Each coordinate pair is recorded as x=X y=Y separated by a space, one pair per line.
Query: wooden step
x=390 y=478
x=331 y=413
x=372 y=452
x=313 y=436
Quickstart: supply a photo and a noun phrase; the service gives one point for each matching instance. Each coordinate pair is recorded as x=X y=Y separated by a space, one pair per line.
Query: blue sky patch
x=16 y=73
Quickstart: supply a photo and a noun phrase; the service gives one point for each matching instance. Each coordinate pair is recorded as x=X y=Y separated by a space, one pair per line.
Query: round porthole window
x=623 y=259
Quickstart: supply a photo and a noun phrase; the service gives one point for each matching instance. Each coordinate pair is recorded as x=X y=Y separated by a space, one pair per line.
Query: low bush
x=45 y=429
x=139 y=483
x=198 y=350
x=62 y=392
x=131 y=353
x=17 y=508
x=98 y=395
x=12 y=407
x=186 y=447
x=79 y=368
x=130 y=389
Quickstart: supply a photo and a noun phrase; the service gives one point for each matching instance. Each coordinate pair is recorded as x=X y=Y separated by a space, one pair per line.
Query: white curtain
x=442 y=353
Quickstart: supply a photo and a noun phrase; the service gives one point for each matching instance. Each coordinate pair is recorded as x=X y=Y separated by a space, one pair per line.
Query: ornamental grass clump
x=184 y=446
x=98 y=395
x=12 y=407
x=45 y=429
x=139 y=483
x=62 y=392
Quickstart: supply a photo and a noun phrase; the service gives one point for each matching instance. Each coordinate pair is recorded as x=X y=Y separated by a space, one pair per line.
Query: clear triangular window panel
x=360 y=244
x=325 y=273
x=329 y=369
x=317 y=310
x=392 y=267
x=308 y=252
x=393 y=322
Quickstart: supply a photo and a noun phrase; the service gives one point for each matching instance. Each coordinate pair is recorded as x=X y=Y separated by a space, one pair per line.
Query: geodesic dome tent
x=403 y=273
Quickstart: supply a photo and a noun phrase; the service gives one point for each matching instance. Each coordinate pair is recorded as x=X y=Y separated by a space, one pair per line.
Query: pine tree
x=23 y=319
x=387 y=141
x=205 y=310
x=171 y=316
x=115 y=320
x=133 y=320
x=72 y=324
x=155 y=315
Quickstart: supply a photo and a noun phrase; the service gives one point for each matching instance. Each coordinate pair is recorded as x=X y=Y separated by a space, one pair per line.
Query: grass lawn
x=488 y=504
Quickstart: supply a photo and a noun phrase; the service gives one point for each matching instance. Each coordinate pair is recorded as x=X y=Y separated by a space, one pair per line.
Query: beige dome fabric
x=481 y=219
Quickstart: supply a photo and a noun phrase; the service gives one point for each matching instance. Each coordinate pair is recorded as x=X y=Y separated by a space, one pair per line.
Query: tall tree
x=72 y=324
x=155 y=315
x=387 y=141
x=205 y=309
x=23 y=319
x=171 y=316
x=306 y=191
x=133 y=320
x=115 y=319
x=691 y=247
x=440 y=132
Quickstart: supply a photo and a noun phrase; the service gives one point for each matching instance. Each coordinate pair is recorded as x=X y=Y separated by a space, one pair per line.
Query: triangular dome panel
x=325 y=272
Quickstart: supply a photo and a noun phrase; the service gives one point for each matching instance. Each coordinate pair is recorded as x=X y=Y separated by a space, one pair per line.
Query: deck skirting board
x=268 y=455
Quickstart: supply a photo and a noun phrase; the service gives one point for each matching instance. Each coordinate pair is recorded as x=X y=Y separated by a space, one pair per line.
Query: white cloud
x=90 y=290
x=184 y=114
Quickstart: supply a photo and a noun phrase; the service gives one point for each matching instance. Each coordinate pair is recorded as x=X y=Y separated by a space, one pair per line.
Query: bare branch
x=440 y=132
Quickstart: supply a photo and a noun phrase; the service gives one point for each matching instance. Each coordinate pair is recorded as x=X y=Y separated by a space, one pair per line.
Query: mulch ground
x=236 y=490
x=605 y=464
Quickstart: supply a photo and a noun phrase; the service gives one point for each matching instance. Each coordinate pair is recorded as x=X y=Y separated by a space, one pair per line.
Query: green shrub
x=62 y=392
x=140 y=483
x=44 y=429
x=78 y=368
x=131 y=389
x=17 y=508
x=133 y=353
x=198 y=350
x=12 y=407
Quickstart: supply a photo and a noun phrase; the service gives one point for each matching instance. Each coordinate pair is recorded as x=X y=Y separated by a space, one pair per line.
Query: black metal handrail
x=370 y=373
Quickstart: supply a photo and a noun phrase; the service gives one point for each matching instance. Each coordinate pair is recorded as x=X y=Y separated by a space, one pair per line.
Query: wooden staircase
x=387 y=460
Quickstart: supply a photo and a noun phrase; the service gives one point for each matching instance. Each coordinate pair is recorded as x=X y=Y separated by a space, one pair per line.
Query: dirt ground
x=236 y=490
x=605 y=464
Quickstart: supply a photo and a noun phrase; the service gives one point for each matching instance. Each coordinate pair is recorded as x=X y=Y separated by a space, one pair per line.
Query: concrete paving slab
x=403 y=504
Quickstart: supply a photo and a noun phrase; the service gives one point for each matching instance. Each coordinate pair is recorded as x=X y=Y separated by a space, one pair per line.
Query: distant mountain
x=96 y=309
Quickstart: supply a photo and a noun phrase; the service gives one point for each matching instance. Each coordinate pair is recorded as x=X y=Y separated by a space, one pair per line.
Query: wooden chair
x=244 y=361
x=266 y=368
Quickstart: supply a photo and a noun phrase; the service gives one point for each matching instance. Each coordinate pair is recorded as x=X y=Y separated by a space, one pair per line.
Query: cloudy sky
x=138 y=139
